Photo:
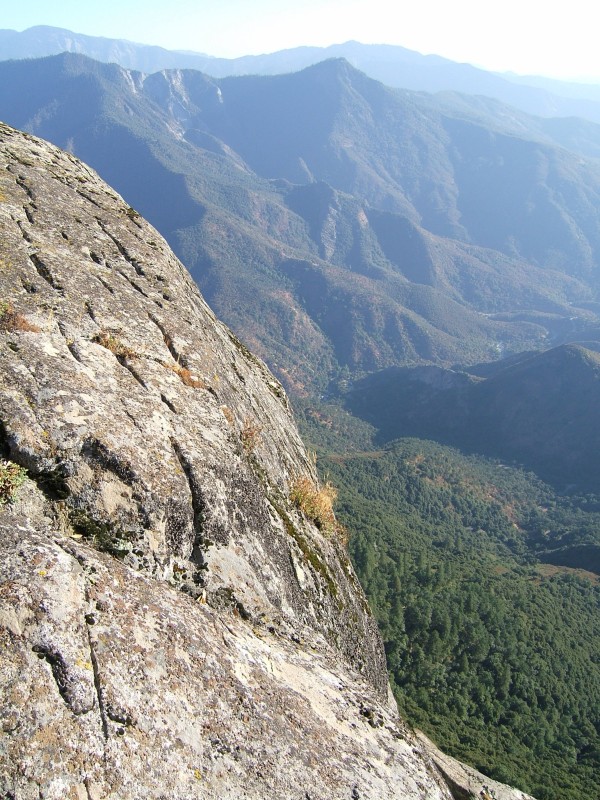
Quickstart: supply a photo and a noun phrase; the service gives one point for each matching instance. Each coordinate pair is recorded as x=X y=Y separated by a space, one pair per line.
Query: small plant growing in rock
x=115 y=345
x=316 y=503
x=11 y=320
x=228 y=414
x=185 y=376
x=250 y=435
x=11 y=477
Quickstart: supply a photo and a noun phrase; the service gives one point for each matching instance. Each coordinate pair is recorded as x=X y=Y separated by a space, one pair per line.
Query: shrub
x=11 y=477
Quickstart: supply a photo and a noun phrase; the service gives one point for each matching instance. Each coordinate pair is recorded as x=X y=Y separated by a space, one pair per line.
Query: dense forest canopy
x=492 y=651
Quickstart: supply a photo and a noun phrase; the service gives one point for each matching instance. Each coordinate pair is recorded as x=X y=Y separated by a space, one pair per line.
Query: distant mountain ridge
x=539 y=410
x=393 y=65
x=391 y=230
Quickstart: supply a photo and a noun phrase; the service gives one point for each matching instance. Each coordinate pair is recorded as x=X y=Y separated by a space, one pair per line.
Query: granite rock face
x=465 y=782
x=171 y=625
x=152 y=431
x=114 y=686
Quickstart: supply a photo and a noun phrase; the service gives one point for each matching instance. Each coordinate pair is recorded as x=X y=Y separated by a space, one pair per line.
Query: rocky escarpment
x=465 y=782
x=172 y=625
x=153 y=432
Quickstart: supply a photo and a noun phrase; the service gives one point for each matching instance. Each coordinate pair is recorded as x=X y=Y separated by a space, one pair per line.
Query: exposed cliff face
x=465 y=782
x=158 y=436
x=115 y=686
x=171 y=625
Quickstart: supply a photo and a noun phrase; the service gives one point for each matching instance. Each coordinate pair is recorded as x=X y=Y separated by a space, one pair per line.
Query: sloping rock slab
x=465 y=782
x=154 y=432
x=116 y=686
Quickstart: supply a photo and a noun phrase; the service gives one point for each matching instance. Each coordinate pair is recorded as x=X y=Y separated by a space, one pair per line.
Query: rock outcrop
x=171 y=624
x=465 y=782
x=154 y=433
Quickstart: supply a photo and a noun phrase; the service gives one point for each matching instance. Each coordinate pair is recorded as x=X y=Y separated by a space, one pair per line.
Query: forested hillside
x=540 y=410
x=491 y=650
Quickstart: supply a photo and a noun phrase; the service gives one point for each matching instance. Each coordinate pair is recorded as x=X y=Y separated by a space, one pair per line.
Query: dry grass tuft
x=250 y=434
x=115 y=345
x=11 y=320
x=185 y=376
x=316 y=502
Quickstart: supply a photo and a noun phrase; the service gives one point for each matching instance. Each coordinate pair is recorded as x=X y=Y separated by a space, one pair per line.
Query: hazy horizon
x=525 y=38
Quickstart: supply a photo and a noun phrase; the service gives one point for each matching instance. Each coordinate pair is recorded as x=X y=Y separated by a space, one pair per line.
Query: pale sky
x=525 y=36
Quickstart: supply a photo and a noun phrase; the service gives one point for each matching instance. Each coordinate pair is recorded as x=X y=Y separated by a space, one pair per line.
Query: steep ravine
x=171 y=625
